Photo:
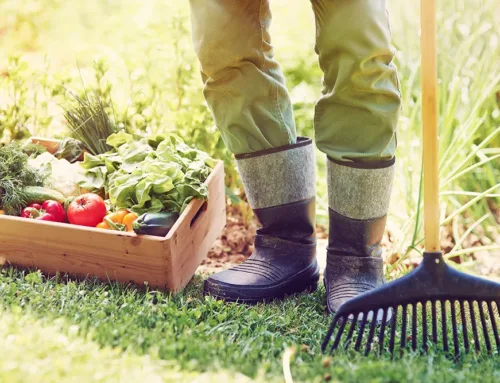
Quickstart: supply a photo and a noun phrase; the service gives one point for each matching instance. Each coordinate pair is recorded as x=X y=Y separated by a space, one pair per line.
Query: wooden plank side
x=197 y=239
x=52 y=145
x=53 y=247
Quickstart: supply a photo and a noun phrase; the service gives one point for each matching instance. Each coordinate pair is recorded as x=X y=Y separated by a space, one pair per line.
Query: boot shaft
x=358 y=196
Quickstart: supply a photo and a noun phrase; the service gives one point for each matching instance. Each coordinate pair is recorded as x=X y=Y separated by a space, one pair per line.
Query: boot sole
x=304 y=282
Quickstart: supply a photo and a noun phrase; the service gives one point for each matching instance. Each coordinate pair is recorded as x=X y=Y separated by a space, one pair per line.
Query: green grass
x=115 y=331
x=139 y=55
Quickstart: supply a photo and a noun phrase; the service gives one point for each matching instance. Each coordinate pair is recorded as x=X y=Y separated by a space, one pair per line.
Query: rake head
x=431 y=289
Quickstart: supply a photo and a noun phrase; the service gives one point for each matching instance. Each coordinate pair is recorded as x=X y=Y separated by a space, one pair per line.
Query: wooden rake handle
x=430 y=124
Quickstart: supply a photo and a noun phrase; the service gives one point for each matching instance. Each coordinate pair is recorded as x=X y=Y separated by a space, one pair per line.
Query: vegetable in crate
x=61 y=175
x=70 y=150
x=49 y=211
x=121 y=220
x=15 y=175
x=158 y=224
x=148 y=175
x=87 y=210
x=89 y=123
x=38 y=194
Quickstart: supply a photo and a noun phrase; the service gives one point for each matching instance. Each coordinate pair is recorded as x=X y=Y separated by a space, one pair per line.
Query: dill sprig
x=15 y=175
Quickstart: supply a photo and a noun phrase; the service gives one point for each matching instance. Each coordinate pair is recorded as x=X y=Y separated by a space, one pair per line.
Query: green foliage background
x=139 y=56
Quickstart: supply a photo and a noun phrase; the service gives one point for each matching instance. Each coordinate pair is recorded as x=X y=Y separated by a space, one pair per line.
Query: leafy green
x=70 y=149
x=15 y=174
x=148 y=174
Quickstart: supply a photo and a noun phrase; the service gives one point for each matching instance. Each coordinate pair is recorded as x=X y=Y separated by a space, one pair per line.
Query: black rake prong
x=464 y=326
x=444 y=326
x=371 y=333
x=454 y=329
x=351 y=331
x=414 y=327
x=338 y=336
x=485 y=328
x=434 y=323
x=494 y=324
x=477 y=345
x=404 y=312
x=424 y=326
x=329 y=333
x=381 y=336
x=361 y=331
x=393 y=329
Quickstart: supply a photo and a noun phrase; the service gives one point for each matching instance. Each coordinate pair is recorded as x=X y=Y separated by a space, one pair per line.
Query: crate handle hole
x=199 y=213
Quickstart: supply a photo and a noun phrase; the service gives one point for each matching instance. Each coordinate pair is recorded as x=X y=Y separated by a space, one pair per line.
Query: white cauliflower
x=63 y=175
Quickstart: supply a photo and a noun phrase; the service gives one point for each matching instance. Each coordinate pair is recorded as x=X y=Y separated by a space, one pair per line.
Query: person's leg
x=245 y=90
x=243 y=84
x=355 y=125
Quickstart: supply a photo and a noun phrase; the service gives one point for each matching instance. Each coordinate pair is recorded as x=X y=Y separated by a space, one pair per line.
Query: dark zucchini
x=158 y=224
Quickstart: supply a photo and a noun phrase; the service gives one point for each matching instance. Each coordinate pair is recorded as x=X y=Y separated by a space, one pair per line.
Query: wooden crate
x=163 y=262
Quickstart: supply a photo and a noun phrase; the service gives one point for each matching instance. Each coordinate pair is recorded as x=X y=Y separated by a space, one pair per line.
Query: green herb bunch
x=89 y=122
x=15 y=175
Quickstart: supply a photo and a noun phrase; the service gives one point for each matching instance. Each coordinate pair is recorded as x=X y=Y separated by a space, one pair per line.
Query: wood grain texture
x=163 y=262
x=430 y=124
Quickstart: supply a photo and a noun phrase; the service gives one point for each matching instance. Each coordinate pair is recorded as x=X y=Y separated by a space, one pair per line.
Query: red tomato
x=55 y=209
x=87 y=210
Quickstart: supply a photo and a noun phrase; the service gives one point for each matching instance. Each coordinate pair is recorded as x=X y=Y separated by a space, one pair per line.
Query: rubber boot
x=280 y=187
x=358 y=204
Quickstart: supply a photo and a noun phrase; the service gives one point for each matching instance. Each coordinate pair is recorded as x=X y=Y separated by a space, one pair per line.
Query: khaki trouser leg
x=243 y=84
x=357 y=113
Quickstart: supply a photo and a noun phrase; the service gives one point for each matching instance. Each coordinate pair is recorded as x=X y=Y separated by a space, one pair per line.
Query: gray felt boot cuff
x=279 y=176
x=360 y=191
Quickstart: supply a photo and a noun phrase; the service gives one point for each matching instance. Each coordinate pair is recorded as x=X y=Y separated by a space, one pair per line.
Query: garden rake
x=433 y=287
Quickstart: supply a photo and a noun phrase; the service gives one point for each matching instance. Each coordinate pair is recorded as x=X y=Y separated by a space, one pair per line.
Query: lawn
x=57 y=330
x=138 y=56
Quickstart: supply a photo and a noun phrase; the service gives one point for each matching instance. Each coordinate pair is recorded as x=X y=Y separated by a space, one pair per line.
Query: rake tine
x=444 y=328
x=339 y=335
x=455 y=333
x=494 y=324
x=403 y=327
x=361 y=332
x=329 y=333
x=393 y=329
x=464 y=326
x=434 y=323
x=414 y=327
x=485 y=328
x=382 y=330
x=474 y=327
x=371 y=333
x=351 y=331
x=424 y=325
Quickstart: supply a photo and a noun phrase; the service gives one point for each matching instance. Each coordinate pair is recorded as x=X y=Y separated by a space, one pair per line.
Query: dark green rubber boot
x=280 y=186
x=359 y=197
